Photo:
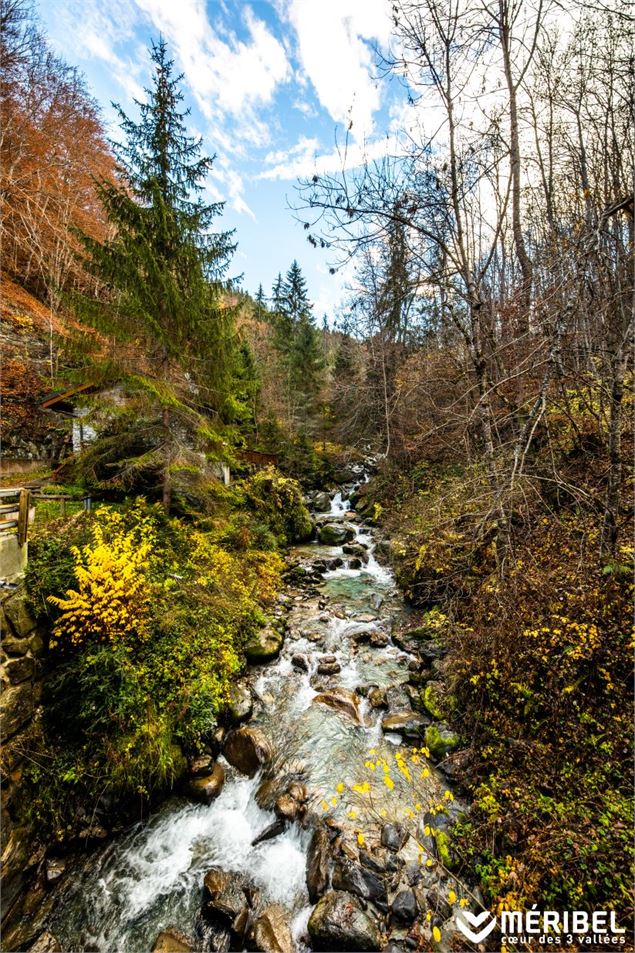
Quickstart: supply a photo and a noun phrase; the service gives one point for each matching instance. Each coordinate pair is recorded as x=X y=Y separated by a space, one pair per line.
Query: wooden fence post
x=23 y=516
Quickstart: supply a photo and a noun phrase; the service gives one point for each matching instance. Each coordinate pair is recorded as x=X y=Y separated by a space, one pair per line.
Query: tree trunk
x=608 y=542
x=167 y=476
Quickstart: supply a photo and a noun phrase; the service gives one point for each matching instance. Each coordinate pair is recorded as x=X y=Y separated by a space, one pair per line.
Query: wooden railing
x=14 y=512
x=257 y=458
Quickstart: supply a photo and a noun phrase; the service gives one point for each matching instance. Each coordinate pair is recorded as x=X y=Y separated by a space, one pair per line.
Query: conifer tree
x=261 y=303
x=298 y=343
x=163 y=271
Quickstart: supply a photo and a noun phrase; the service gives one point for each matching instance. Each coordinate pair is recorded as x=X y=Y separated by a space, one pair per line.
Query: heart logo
x=466 y=920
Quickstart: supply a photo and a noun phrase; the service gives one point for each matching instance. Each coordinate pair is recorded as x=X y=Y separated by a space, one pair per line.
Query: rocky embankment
x=320 y=815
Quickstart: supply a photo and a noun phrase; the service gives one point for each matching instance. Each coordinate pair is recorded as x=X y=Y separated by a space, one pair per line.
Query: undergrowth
x=148 y=616
x=539 y=669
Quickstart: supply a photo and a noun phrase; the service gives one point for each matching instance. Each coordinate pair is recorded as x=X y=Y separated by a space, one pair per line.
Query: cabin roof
x=63 y=399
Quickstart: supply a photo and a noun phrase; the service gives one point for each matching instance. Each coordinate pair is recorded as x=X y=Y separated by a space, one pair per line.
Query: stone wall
x=22 y=648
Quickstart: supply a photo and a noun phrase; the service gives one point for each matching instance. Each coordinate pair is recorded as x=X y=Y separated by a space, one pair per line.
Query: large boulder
x=317 y=864
x=342 y=700
x=263 y=646
x=247 y=749
x=223 y=895
x=335 y=534
x=410 y=724
x=338 y=922
x=271 y=931
x=207 y=787
x=440 y=740
x=322 y=502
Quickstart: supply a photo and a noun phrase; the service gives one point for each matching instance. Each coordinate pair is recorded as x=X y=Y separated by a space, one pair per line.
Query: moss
x=442 y=841
x=432 y=702
x=440 y=741
x=277 y=500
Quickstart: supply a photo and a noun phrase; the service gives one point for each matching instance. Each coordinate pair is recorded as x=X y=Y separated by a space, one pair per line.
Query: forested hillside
x=466 y=414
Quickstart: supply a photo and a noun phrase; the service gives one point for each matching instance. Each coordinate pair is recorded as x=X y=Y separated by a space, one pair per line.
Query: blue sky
x=272 y=87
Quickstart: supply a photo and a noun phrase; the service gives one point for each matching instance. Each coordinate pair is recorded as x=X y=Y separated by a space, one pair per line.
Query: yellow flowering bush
x=113 y=592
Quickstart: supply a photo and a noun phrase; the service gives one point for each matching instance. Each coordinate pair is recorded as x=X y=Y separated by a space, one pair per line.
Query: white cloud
x=89 y=31
x=226 y=75
x=301 y=161
x=233 y=186
x=304 y=149
x=333 y=47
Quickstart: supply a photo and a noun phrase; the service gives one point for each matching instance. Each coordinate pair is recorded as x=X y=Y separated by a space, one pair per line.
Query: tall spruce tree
x=298 y=343
x=260 y=303
x=163 y=274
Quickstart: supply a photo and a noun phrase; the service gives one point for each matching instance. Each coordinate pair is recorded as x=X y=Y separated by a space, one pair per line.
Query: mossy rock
x=433 y=699
x=263 y=646
x=336 y=534
x=440 y=741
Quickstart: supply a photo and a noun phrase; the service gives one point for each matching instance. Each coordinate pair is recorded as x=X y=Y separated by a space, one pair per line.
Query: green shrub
x=277 y=501
x=125 y=699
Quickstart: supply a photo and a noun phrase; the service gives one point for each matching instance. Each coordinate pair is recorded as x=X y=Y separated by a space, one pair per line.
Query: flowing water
x=150 y=879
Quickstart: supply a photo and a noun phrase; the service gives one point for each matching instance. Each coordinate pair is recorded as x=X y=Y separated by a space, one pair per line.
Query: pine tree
x=295 y=294
x=298 y=343
x=163 y=271
x=277 y=295
x=261 y=303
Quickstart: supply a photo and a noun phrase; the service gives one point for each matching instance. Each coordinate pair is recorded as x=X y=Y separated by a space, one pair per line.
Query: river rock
x=433 y=697
x=269 y=791
x=338 y=922
x=393 y=836
x=344 y=475
x=408 y=723
x=278 y=827
x=54 y=868
x=335 y=534
x=263 y=646
x=207 y=787
x=287 y=808
x=360 y=881
x=440 y=740
x=223 y=895
x=355 y=549
x=247 y=749
x=300 y=662
x=317 y=864
x=322 y=502
x=171 y=941
x=271 y=931
x=404 y=907
x=47 y=943
x=355 y=563
x=329 y=666
x=343 y=700
x=200 y=765
x=241 y=703
x=378 y=639
x=377 y=697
